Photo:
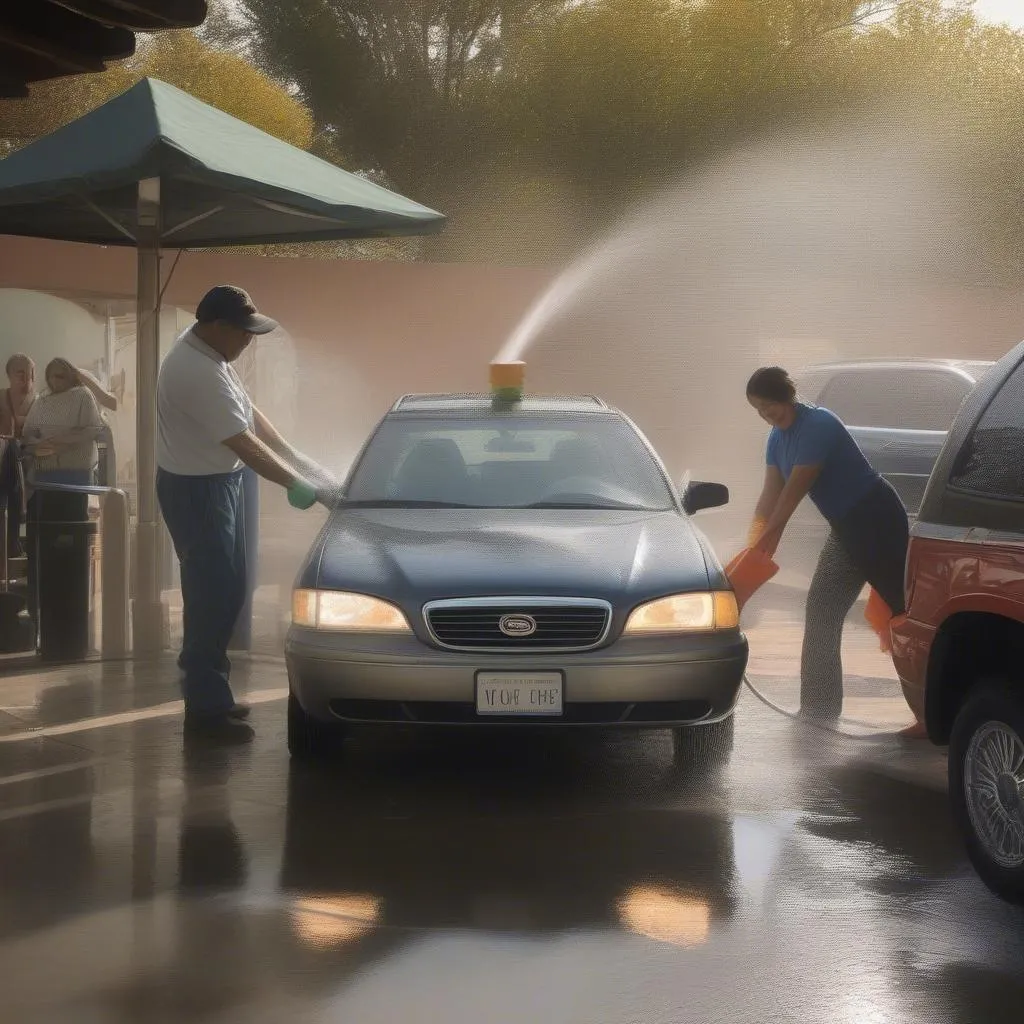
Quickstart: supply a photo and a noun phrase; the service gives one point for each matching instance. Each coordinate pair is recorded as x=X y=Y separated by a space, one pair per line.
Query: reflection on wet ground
x=476 y=878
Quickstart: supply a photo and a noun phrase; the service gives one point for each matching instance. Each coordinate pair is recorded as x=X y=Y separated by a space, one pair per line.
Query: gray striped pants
x=835 y=587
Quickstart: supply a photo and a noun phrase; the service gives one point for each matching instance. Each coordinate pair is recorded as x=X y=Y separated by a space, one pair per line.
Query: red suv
x=960 y=650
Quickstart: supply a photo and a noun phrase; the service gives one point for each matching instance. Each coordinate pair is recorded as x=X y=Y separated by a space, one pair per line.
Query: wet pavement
x=476 y=879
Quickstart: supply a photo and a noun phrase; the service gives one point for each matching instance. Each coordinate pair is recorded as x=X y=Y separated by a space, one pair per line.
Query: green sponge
x=301 y=495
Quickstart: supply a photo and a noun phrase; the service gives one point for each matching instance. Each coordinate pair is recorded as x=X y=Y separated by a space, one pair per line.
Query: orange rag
x=880 y=618
x=748 y=572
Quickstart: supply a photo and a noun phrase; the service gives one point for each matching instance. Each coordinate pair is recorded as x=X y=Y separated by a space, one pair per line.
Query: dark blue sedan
x=509 y=564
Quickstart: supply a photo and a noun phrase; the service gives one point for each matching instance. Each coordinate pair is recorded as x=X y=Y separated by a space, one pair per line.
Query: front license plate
x=510 y=693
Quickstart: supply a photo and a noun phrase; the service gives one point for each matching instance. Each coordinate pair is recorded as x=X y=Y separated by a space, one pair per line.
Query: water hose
x=796 y=717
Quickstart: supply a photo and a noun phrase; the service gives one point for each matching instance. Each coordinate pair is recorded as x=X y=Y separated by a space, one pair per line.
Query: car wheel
x=309 y=739
x=704 y=746
x=986 y=786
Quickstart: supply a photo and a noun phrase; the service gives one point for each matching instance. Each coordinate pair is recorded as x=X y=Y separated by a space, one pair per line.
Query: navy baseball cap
x=233 y=306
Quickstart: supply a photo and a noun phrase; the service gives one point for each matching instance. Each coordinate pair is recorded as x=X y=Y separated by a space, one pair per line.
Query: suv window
x=992 y=459
x=900 y=398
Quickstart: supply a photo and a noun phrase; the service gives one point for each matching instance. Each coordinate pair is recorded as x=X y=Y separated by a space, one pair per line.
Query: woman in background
x=15 y=402
x=17 y=398
x=61 y=428
x=811 y=453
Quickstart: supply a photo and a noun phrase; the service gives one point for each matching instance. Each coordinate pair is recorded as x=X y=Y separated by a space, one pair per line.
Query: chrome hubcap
x=994 y=787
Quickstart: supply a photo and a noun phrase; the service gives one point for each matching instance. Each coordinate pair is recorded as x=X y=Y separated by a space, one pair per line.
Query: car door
x=899 y=416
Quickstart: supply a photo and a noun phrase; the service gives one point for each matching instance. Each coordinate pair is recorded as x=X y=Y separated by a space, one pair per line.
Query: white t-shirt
x=201 y=402
x=53 y=414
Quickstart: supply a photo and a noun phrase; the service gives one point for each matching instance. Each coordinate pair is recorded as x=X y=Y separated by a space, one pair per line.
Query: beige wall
x=668 y=342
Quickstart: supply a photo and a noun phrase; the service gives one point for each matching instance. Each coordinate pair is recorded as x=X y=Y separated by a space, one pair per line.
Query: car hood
x=416 y=555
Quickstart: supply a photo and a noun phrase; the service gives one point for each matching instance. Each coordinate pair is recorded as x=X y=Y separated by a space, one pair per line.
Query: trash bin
x=61 y=542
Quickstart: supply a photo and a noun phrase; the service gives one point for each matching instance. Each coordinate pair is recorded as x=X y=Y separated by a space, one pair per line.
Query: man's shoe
x=217 y=729
x=240 y=712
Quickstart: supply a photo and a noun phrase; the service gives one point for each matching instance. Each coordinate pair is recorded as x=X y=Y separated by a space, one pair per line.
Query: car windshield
x=516 y=461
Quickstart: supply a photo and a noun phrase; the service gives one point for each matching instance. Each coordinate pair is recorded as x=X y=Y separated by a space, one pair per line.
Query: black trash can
x=61 y=540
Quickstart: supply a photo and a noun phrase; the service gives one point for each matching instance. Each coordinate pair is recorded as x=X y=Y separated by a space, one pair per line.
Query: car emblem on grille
x=517 y=625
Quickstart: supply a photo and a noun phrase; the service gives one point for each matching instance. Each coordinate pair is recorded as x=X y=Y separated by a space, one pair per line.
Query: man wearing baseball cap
x=208 y=430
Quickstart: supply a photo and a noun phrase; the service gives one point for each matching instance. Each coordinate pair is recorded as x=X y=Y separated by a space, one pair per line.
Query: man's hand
x=329 y=496
x=321 y=478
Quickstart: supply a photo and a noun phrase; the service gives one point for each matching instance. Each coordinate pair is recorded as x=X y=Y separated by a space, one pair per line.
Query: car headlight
x=337 y=610
x=686 y=613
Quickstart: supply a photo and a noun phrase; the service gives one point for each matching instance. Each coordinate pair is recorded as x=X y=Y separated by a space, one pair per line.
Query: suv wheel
x=704 y=747
x=309 y=739
x=986 y=786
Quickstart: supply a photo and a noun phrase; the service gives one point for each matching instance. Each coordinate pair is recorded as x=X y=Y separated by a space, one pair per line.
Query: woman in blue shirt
x=811 y=453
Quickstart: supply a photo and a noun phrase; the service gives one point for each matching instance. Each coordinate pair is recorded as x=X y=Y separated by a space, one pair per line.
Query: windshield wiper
x=595 y=506
x=402 y=503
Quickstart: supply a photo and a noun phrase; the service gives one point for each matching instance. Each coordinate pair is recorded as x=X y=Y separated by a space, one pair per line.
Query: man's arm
x=262 y=460
x=271 y=439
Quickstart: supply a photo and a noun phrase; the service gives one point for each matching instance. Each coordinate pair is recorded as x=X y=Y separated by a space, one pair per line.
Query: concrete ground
x=482 y=879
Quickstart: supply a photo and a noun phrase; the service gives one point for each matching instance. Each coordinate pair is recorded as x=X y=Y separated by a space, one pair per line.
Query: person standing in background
x=60 y=429
x=17 y=398
x=207 y=430
x=15 y=402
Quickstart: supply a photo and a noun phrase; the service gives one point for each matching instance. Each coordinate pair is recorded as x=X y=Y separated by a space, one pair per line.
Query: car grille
x=472 y=626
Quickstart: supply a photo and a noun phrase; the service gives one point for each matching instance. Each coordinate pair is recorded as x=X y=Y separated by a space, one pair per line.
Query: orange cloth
x=880 y=618
x=748 y=572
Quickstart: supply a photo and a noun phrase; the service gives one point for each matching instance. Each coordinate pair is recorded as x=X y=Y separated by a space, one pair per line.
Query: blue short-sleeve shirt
x=819 y=438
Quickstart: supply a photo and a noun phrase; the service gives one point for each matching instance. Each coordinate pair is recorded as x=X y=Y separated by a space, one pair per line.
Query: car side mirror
x=699 y=496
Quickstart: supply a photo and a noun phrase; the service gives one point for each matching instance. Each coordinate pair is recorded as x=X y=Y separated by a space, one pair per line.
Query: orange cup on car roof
x=507 y=381
x=748 y=572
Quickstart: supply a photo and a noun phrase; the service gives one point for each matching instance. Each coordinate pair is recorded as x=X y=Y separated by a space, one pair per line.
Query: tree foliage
x=484 y=108
x=221 y=78
x=532 y=123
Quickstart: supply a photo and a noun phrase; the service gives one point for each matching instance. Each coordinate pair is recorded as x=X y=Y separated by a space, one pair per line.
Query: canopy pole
x=148 y=609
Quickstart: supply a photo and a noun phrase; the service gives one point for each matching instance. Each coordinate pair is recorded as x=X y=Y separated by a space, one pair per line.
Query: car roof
x=474 y=405
x=972 y=367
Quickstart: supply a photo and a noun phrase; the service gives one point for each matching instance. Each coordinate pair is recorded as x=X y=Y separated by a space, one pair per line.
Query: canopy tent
x=46 y=39
x=155 y=167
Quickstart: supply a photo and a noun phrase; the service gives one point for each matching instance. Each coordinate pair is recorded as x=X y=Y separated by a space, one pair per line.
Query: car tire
x=986 y=766
x=309 y=739
x=704 y=746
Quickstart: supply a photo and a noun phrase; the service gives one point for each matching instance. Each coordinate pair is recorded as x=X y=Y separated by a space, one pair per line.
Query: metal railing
x=115 y=590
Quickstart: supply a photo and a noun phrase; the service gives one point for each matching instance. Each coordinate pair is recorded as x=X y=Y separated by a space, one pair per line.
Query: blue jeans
x=205 y=520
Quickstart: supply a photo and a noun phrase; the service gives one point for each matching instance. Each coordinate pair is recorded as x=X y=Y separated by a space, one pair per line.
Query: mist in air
x=804 y=247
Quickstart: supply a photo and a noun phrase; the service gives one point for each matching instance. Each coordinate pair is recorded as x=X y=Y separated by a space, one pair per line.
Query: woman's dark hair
x=772 y=384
